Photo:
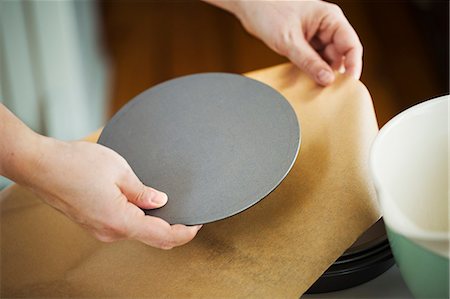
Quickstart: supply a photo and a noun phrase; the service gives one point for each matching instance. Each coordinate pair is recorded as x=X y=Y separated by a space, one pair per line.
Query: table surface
x=278 y=248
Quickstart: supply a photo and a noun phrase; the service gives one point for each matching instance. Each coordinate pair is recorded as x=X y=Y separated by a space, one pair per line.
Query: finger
x=332 y=56
x=137 y=193
x=307 y=59
x=158 y=233
x=336 y=29
x=353 y=63
x=347 y=43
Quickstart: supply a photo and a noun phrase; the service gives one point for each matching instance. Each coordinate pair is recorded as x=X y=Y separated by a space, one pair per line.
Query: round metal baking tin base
x=353 y=276
x=367 y=258
x=216 y=143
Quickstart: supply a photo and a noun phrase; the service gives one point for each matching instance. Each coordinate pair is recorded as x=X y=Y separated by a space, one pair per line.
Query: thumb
x=143 y=196
x=307 y=59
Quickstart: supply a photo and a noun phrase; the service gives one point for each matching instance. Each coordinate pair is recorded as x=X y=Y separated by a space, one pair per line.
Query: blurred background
x=68 y=66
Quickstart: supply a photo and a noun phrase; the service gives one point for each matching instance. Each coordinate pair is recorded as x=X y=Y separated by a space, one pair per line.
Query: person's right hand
x=95 y=187
x=315 y=35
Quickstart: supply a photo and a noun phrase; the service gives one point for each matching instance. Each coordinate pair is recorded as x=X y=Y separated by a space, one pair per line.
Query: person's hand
x=95 y=187
x=314 y=35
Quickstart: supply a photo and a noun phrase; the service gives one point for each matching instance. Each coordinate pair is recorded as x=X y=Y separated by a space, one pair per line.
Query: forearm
x=20 y=148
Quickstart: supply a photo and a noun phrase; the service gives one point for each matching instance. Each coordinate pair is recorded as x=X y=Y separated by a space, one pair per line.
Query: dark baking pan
x=363 y=254
x=340 y=280
x=366 y=259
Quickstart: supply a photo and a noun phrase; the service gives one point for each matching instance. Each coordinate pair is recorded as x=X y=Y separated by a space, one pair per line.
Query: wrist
x=25 y=156
x=18 y=154
x=41 y=166
x=26 y=159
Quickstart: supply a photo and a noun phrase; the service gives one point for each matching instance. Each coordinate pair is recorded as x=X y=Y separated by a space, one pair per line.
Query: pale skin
x=95 y=187
x=314 y=35
x=89 y=183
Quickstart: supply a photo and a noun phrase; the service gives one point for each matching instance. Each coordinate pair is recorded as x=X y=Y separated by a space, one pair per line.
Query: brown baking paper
x=276 y=249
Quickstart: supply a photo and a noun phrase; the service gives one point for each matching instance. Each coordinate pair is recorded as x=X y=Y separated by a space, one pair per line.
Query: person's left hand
x=314 y=35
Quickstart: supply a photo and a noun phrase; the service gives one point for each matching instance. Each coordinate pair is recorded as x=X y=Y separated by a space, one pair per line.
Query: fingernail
x=325 y=77
x=159 y=198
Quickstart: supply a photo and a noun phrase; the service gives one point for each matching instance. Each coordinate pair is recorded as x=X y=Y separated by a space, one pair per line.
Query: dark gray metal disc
x=215 y=143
